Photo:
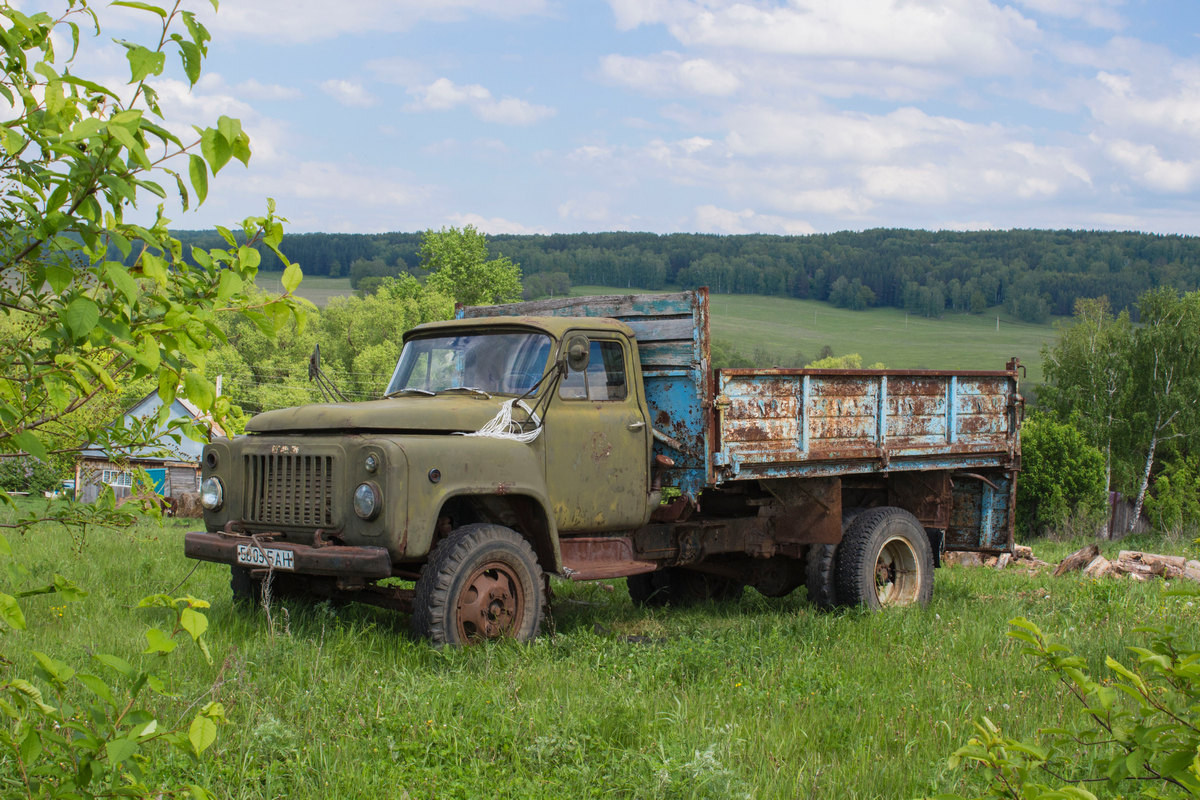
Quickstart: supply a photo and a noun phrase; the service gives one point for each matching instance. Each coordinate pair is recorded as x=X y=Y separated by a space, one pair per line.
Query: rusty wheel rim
x=491 y=603
x=897 y=579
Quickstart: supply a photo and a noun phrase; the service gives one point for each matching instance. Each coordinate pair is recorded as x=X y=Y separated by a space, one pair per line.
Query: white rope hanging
x=502 y=426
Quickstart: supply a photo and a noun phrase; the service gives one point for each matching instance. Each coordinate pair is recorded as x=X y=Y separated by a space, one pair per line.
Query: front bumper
x=339 y=561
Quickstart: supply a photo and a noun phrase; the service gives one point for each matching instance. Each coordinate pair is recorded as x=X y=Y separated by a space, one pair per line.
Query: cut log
x=1003 y=561
x=1023 y=552
x=1077 y=560
x=1098 y=567
x=962 y=559
x=1133 y=561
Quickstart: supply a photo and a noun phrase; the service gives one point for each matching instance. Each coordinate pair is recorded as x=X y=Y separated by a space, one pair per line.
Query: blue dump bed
x=750 y=424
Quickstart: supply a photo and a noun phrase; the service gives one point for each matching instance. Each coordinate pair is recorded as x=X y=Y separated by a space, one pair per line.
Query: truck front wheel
x=480 y=582
x=884 y=560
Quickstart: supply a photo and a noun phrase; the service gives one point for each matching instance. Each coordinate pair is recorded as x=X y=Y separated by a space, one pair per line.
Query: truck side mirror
x=578 y=353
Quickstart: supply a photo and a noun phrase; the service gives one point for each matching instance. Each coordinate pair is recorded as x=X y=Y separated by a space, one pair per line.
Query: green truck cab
x=519 y=442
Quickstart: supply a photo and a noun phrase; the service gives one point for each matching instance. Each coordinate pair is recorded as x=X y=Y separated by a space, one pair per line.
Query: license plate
x=253 y=556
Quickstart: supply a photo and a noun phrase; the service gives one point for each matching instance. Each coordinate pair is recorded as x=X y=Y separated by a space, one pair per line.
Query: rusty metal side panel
x=780 y=423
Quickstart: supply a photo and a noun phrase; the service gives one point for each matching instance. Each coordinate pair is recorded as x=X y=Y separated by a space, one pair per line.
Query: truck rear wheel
x=884 y=560
x=480 y=582
x=819 y=576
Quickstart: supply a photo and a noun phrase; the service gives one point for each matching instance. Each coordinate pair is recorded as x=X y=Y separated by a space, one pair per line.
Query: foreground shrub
x=1136 y=732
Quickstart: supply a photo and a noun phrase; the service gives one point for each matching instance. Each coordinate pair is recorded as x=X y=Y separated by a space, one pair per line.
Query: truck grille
x=289 y=490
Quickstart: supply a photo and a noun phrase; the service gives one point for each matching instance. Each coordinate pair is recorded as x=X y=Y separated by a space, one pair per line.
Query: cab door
x=598 y=443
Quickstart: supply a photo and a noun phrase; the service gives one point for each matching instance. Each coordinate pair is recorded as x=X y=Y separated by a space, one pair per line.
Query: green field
x=783 y=327
x=761 y=698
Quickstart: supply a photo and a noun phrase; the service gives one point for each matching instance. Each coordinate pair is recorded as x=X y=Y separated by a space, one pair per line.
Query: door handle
x=637 y=425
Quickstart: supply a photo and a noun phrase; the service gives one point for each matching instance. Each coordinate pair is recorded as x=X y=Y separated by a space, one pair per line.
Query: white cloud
x=975 y=36
x=593 y=208
x=444 y=95
x=1097 y=13
x=255 y=90
x=1148 y=167
x=313 y=20
x=494 y=225
x=348 y=93
x=711 y=219
x=669 y=73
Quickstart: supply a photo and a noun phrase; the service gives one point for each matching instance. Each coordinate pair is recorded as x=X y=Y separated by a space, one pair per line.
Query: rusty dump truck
x=590 y=438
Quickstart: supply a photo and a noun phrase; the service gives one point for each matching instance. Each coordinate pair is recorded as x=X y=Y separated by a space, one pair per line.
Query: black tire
x=246 y=590
x=821 y=565
x=480 y=582
x=819 y=576
x=884 y=560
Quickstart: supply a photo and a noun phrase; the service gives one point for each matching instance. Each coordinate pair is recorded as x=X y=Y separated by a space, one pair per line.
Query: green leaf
x=29 y=442
x=230 y=284
x=168 y=385
x=5 y=548
x=127 y=140
x=31 y=745
x=202 y=733
x=10 y=611
x=199 y=390
x=159 y=642
x=143 y=6
x=144 y=62
x=56 y=670
x=122 y=280
x=119 y=750
x=191 y=56
x=193 y=622
x=81 y=316
x=67 y=589
x=249 y=257
x=116 y=663
x=155 y=268
x=98 y=687
x=215 y=149
x=292 y=277
x=59 y=277
x=198 y=172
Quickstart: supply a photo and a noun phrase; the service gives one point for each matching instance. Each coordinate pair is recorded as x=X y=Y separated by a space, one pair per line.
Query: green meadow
x=760 y=698
x=783 y=328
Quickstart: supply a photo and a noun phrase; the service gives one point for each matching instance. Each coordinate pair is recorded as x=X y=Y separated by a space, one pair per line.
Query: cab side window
x=605 y=376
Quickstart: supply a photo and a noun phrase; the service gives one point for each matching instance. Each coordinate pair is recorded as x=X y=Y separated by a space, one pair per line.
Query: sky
x=711 y=116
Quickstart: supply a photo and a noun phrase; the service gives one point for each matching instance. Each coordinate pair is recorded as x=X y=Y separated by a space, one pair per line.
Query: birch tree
x=1164 y=399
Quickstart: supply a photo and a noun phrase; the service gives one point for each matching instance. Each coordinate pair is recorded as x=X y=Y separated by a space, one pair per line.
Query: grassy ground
x=761 y=698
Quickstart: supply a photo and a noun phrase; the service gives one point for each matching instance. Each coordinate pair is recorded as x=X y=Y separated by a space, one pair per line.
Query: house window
x=116 y=477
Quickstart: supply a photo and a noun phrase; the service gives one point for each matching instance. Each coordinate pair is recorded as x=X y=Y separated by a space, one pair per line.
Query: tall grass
x=765 y=698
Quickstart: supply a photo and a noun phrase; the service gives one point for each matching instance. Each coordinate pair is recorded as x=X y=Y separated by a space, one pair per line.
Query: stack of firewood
x=1137 y=565
x=1021 y=557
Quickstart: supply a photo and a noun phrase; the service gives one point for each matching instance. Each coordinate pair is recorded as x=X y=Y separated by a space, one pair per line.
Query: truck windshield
x=497 y=363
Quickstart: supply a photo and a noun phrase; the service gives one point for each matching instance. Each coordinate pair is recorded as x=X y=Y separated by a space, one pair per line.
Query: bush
x=1062 y=478
x=27 y=474
x=1137 y=731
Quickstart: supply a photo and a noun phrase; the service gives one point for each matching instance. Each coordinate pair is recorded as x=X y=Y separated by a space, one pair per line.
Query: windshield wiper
x=414 y=391
x=473 y=389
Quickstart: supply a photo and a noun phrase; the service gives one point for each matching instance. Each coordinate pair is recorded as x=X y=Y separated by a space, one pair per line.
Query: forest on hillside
x=1032 y=273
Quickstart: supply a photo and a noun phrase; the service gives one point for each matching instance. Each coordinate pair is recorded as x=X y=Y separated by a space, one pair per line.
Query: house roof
x=185 y=450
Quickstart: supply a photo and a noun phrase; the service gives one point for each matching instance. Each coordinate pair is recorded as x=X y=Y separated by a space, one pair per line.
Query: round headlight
x=367 y=501
x=212 y=494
